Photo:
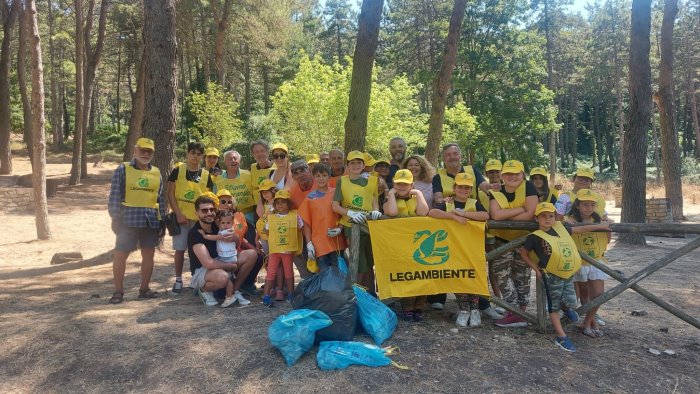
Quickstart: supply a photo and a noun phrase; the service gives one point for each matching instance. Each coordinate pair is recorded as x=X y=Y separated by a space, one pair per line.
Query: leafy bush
x=214 y=111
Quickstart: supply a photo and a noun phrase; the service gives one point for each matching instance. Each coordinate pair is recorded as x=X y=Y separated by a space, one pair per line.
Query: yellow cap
x=538 y=171
x=587 y=195
x=280 y=146
x=312 y=158
x=464 y=179
x=266 y=184
x=282 y=194
x=146 y=143
x=544 y=207
x=493 y=165
x=369 y=160
x=585 y=172
x=382 y=160
x=403 y=176
x=512 y=167
x=211 y=152
x=212 y=196
x=224 y=193
x=356 y=154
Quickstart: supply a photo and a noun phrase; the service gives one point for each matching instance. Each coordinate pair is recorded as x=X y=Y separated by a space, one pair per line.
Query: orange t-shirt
x=319 y=216
x=297 y=195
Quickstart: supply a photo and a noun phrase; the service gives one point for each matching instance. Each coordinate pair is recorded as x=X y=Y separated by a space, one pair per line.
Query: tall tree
x=441 y=86
x=361 y=81
x=10 y=10
x=41 y=212
x=634 y=150
x=53 y=76
x=137 y=106
x=76 y=167
x=340 y=29
x=22 y=82
x=670 y=151
x=160 y=57
x=221 y=18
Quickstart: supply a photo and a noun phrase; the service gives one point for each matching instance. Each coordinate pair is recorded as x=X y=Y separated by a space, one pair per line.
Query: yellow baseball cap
x=356 y=154
x=369 y=160
x=544 y=207
x=312 y=158
x=146 y=143
x=512 y=167
x=403 y=176
x=538 y=171
x=585 y=172
x=280 y=146
x=266 y=184
x=211 y=152
x=587 y=195
x=381 y=160
x=282 y=194
x=212 y=196
x=464 y=179
x=493 y=165
x=223 y=193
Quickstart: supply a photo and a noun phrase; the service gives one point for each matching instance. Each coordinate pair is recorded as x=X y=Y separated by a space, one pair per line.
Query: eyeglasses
x=225 y=201
x=279 y=156
x=208 y=210
x=299 y=171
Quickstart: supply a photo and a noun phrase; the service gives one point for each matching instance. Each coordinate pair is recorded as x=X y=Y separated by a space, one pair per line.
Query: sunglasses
x=225 y=201
x=208 y=210
x=279 y=156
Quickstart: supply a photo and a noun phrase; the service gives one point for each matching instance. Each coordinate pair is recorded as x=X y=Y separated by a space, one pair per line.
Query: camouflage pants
x=513 y=277
x=467 y=302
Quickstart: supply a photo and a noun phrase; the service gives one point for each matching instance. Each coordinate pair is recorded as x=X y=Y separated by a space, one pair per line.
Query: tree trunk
x=618 y=94
x=266 y=87
x=9 y=17
x=76 y=168
x=640 y=109
x=247 y=100
x=55 y=108
x=137 y=107
x=670 y=151
x=694 y=110
x=550 y=84
x=22 y=84
x=221 y=27
x=361 y=82
x=655 y=136
x=443 y=81
x=574 y=127
x=160 y=58
x=41 y=212
x=119 y=83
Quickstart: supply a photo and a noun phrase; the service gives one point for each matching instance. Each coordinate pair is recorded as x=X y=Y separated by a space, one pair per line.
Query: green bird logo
x=189 y=195
x=428 y=252
x=142 y=182
x=282 y=229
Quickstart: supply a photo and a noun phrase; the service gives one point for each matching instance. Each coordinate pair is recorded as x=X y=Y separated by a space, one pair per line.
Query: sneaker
x=474 y=318
x=279 y=295
x=500 y=310
x=208 y=298
x=250 y=290
x=228 y=302
x=599 y=320
x=492 y=313
x=511 y=320
x=267 y=301
x=565 y=343
x=241 y=300
x=417 y=316
x=437 y=305
x=177 y=288
x=572 y=315
x=407 y=316
x=462 y=318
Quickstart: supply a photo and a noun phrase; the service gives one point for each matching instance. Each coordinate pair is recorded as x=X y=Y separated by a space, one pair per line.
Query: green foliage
x=107 y=138
x=215 y=122
x=460 y=126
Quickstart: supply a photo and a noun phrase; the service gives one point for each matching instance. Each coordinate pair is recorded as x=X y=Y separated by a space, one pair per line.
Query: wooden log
x=66 y=257
x=634 y=279
x=505 y=248
x=668 y=228
x=525 y=315
x=542 y=315
x=645 y=293
x=354 y=251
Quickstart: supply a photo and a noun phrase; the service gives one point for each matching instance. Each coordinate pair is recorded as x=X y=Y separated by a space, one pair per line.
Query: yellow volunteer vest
x=141 y=187
x=260 y=224
x=469 y=206
x=257 y=176
x=448 y=183
x=407 y=207
x=564 y=261
x=186 y=191
x=503 y=202
x=356 y=197
x=593 y=244
x=240 y=188
x=484 y=200
x=283 y=234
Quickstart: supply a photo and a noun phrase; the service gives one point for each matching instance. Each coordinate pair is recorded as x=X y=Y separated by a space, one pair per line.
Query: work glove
x=374 y=215
x=116 y=225
x=311 y=250
x=357 y=217
x=334 y=232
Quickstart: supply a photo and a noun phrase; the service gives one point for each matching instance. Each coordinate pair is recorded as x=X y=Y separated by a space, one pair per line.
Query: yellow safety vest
x=407 y=207
x=257 y=176
x=283 y=234
x=503 y=202
x=240 y=188
x=593 y=244
x=356 y=197
x=484 y=200
x=186 y=192
x=260 y=224
x=469 y=206
x=564 y=261
x=141 y=187
x=448 y=183
x=599 y=204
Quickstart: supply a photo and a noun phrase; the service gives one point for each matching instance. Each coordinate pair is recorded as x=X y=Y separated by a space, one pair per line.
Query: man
x=137 y=207
x=337 y=161
x=211 y=158
x=324 y=158
x=263 y=166
x=303 y=184
x=443 y=181
x=209 y=275
x=239 y=183
x=397 y=151
x=186 y=182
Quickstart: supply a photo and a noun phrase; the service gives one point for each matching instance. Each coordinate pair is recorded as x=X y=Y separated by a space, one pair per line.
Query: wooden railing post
x=354 y=252
x=542 y=314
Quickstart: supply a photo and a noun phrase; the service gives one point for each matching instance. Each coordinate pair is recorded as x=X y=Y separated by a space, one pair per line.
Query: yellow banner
x=422 y=256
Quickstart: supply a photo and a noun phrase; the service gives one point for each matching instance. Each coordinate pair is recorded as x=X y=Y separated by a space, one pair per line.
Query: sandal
x=599 y=333
x=117 y=298
x=589 y=332
x=148 y=293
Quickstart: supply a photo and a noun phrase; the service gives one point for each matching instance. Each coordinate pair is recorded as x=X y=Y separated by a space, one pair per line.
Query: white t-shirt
x=226 y=250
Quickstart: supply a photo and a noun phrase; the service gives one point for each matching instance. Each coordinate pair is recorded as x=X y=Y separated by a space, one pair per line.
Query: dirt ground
x=59 y=334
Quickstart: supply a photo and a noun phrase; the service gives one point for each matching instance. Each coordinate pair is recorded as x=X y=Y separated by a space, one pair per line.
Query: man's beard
x=399 y=157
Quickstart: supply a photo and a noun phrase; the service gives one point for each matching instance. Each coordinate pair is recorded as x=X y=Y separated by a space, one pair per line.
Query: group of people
x=232 y=221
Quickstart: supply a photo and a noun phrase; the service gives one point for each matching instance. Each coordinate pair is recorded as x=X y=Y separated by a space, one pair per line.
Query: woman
x=538 y=177
x=263 y=166
x=282 y=174
x=423 y=173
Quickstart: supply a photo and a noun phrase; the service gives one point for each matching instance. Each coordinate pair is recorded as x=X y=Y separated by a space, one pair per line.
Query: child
x=591 y=280
x=552 y=251
x=321 y=230
x=283 y=228
x=538 y=177
x=461 y=209
x=265 y=206
x=405 y=201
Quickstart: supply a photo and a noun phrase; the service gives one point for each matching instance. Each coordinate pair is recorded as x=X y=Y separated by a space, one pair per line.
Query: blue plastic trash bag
x=377 y=319
x=342 y=265
x=293 y=333
x=339 y=355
